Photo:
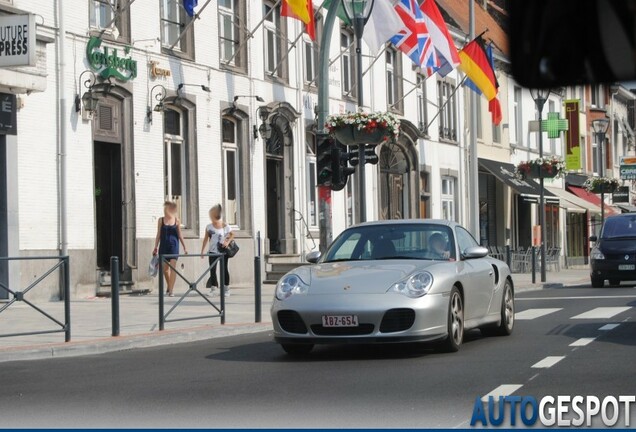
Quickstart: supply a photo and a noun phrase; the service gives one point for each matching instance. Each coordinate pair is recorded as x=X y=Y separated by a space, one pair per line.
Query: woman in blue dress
x=167 y=242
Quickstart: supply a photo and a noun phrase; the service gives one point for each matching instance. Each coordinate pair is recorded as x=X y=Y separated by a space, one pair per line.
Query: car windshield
x=619 y=227
x=393 y=241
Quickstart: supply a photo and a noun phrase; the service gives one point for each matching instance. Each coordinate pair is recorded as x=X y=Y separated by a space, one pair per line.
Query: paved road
x=246 y=381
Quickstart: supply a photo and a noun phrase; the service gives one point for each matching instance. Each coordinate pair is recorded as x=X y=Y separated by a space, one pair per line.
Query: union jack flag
x=414 y=39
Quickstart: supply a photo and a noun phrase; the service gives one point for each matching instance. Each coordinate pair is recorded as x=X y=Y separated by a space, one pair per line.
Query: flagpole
x=190 y=24
x=473 y=169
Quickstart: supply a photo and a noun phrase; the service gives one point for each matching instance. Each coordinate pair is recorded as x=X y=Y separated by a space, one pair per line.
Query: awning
x=592 y=198
x=573 y=203
x=626 y=208
x=505 y=173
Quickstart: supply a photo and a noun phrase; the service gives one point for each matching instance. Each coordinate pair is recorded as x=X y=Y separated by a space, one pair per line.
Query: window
x=448 y=198
x=312 y=192
x=496 y=133
x=465 y=239
x=517 y=126
x=175 y=163
x=393 y=80
x=480 y=126
x=448 y=110
x=595 y=155
x=102 y=12
x=173 y=21
x=598 y=97
x=551 y=141
x=231 y=169
x=350 y=201
x=422 y=104
x=347 y=63
x=311 y=61
x=231 y=37
x=275 y=41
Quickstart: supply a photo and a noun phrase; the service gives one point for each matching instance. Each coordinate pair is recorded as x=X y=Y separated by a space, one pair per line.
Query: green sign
x=107 y=63
x=554 y=125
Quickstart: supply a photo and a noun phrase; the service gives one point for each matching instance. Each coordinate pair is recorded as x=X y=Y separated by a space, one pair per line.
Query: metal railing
x=20 y=295
x=192 y=287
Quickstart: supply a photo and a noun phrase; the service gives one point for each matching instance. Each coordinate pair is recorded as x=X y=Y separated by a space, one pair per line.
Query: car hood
x=361 y=277
x=617 y=246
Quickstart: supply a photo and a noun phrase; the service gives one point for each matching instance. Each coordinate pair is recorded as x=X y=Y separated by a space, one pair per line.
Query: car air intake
x=291 y=322
x=396 y=320
x=362 y=329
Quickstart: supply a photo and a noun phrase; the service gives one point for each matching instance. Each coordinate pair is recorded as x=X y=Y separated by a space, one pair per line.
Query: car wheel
x=597 y=282
x=297 y=350
x=455 y=322
x=614 y=282
x=507 y=314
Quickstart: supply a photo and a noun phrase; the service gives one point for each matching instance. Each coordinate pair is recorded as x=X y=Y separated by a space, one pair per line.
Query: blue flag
x=189 y=6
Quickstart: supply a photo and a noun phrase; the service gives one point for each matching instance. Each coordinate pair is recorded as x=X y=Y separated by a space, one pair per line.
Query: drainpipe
x=614 y=144
x=62 y=157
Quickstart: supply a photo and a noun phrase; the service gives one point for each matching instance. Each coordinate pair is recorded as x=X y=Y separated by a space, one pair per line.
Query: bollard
x=508 y=256
x=534 y=264
x=66 y=268
x=161 y=317
x=257 y=289
x=114 y=294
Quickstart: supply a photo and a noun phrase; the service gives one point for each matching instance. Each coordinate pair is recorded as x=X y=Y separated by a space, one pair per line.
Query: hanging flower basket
x=364 y=128
x=599 y=185
x=541 y=168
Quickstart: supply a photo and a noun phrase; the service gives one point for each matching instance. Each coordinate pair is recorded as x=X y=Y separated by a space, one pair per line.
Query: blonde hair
x=217 y=208
x=170 y=204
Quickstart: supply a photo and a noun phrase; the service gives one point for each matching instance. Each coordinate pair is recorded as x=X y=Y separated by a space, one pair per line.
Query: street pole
x=601 y=173
x=473 y=169
x=540 y=102
x=358 y=28
x=324 y=192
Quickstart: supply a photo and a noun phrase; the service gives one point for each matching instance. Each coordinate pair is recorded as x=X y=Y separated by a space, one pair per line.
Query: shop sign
x=8 y=110
x=621 y=195
x=157 y=72
x=17 y=40
x=107 y=63
x=628 y=168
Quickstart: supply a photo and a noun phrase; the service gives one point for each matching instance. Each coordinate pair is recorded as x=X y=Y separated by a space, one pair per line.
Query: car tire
x=597 y=282
x=507 y=316
x=297 y=350
x=614 y=282
x=455 y=322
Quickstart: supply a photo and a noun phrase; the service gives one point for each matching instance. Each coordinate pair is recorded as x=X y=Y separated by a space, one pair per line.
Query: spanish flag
x=302 y=10
x=474 y=62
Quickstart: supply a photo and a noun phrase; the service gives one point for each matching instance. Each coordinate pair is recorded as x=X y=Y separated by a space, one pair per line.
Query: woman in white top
x=217 y=232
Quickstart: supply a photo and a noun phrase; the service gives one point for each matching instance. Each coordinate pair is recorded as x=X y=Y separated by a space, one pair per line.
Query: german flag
x=475 y=64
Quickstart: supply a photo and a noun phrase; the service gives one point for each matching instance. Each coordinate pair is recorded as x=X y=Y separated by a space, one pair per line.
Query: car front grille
x=362 y=329
x=396 y=320
x=291 y=322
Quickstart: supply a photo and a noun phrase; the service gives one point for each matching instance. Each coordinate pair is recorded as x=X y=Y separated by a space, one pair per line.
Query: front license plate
x=627 y=266
x=340 y=321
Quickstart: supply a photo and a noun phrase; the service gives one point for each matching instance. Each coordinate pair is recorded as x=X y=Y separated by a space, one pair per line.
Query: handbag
x=231 y=249
x=153 y=266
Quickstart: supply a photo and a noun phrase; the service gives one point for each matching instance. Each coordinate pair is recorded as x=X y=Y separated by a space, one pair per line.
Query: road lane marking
x=582 y=342
x=608 y=327
x=602 y=312
x=576 y=298
x=502 y=390
x=547 y=362
x=531 y=314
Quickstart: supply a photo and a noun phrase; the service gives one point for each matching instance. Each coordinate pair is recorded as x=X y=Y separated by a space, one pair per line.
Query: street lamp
x=265 y=128
x=358 y=13
x=159 y=96
x=600 y=129
x=540 y=96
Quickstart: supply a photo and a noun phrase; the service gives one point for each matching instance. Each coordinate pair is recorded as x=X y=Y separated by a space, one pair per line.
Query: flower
x=368 y=122
x=597 y=183
x=549 y=166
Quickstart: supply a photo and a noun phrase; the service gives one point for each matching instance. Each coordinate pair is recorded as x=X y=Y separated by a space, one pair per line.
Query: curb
x=123 y=343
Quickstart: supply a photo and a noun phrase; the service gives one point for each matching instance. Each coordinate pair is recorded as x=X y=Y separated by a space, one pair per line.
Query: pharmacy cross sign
x=554 y=125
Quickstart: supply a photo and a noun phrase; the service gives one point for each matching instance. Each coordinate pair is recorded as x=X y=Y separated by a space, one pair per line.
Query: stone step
x=285 y=267
x=276 y=258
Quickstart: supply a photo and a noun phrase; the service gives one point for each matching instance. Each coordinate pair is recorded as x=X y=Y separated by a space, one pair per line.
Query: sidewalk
x=139 y=320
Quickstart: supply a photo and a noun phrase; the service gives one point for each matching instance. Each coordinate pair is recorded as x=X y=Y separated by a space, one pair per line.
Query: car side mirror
x=313 y=257
x=593 y=238
x=475 y=252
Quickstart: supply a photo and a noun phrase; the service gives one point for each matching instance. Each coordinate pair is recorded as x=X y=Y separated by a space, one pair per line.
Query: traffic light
x=340 y=168
x=324 y=160
x=370 y=156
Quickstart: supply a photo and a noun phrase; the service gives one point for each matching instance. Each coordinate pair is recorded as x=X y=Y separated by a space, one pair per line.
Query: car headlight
x=290 y=285
x=414 y=286
x=596 y=254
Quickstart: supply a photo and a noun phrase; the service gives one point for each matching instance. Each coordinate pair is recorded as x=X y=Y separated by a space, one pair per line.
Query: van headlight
x=414 y=286
x=289 y=285
x=596 y=254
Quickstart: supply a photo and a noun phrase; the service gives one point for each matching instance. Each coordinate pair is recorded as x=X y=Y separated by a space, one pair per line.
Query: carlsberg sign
x=107 y=63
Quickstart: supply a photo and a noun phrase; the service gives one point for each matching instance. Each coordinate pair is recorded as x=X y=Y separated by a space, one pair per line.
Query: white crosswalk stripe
x=602 y=312
x=608 y=327
x=547 y=362
x=502 y=390
x=530 y=314
x=582 y=342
